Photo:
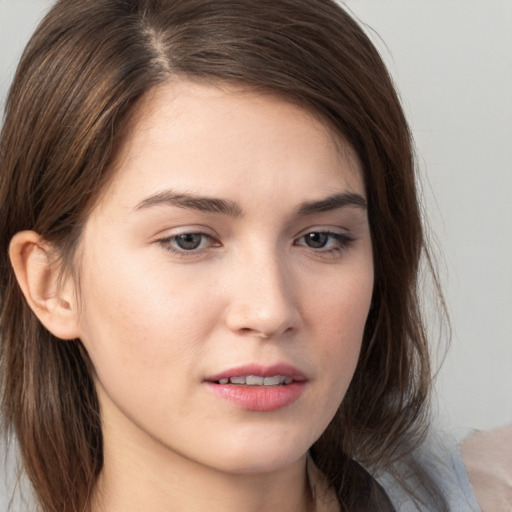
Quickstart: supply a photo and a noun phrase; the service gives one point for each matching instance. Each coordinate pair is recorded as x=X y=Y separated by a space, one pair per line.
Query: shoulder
x=15 y=490
x=439 y=462
x=487 y=457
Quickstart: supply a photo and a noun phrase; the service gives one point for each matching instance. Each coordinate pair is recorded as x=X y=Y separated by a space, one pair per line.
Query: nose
x=263 y=297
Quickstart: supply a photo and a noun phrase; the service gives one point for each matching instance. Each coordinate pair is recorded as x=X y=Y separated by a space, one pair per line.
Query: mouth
x=259 y=388
x=256 y=380
x=280 y=374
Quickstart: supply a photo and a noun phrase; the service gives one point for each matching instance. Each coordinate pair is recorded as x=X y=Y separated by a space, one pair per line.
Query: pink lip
x=259 y=398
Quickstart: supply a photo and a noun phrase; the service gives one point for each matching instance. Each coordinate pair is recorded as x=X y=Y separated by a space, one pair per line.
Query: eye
x=325 y=241
x=316 y=240
x=187 y=242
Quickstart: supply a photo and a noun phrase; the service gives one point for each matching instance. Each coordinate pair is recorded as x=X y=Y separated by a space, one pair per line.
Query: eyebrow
x=333 y=202
x=233 y=209
x=192 y=202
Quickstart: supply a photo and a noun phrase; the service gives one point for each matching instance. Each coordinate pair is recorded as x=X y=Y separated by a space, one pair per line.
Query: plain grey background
x=452 y=63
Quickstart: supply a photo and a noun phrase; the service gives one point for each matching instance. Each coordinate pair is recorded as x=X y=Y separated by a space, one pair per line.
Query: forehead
x=226 y=139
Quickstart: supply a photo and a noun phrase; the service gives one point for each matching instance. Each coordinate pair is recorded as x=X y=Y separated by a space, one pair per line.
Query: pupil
x=316 y=240
x=189 y=241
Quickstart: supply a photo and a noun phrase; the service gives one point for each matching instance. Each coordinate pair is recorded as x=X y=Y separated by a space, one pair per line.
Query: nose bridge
x=262 y=296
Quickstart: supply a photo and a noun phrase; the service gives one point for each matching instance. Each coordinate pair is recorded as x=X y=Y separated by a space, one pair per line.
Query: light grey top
x=441 y=459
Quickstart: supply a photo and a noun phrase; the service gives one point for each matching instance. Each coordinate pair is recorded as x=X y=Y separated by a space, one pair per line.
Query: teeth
x=272 y=381
x=256 y=380
x=253 y=380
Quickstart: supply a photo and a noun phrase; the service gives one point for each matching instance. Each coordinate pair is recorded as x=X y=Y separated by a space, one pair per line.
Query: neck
x=137 y=477
x=164 y=489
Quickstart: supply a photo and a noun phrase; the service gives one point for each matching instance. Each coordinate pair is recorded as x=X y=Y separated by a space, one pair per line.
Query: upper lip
x=283 y=369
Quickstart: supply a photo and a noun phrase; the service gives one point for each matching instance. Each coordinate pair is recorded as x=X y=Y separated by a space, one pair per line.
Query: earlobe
x=52 y=301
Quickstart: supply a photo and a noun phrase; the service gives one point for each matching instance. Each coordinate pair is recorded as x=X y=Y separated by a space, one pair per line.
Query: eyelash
x=167 y=244
x=341 y=243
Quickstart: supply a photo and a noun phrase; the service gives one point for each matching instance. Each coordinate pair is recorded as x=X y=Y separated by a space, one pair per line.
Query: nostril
x=247 y=331
x=263 y=320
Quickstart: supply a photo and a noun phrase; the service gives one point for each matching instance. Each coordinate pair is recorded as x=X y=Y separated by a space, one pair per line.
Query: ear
x=53 y=301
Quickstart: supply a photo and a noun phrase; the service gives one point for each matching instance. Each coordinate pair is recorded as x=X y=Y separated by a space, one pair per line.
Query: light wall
x=452 y=64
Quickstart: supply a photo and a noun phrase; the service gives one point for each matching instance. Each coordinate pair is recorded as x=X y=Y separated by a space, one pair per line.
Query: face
x=226 y=277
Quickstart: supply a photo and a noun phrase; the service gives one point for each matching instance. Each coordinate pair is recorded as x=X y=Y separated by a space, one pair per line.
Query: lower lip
x=259 y=398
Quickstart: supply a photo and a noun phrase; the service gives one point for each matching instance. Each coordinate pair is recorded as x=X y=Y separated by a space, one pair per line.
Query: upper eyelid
x=335 y=230
x=176 y=235
x=333 y=234
x=203 y=230
x=185 y=230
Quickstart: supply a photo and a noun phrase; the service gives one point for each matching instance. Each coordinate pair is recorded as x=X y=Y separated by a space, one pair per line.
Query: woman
x=209 y=260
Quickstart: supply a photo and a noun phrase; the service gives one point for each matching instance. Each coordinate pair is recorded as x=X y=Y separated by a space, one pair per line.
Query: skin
x=157 y=320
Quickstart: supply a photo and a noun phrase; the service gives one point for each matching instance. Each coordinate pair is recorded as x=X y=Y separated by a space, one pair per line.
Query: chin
x=259 y=465
x=262 y=454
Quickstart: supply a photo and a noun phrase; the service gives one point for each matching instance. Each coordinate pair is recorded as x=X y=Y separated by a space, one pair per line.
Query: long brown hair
x=79 y=82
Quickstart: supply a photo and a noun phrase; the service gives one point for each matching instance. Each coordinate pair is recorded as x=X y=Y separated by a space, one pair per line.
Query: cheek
x=144 y=340
x=339 y=315
x=340 y=308
x=136 y=322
